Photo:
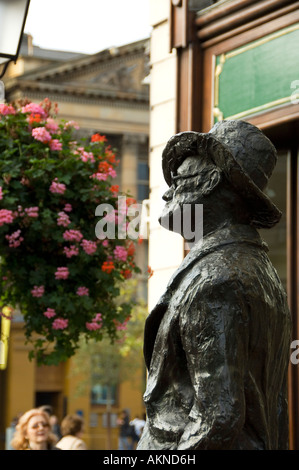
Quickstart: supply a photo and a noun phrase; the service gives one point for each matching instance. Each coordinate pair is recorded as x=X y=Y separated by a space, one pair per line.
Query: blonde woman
x=33 y=432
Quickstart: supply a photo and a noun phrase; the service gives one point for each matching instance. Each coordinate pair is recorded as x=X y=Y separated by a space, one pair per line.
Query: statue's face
x=185 y=191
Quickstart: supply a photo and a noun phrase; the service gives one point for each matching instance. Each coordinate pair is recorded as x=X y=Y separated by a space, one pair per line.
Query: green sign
x=259 y=76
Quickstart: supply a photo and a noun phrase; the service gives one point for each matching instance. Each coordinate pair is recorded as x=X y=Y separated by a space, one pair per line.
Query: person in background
x=138 y=425
x=33 y=432
x=125 y=432
x=10 y=431
x=72 y=428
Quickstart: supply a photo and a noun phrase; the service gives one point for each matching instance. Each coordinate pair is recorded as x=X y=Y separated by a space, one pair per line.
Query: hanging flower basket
x=53 y=267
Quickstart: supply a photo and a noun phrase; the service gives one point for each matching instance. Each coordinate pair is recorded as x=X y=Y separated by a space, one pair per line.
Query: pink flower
x=20 y=212
x=105 y=243
x=68 y=208
x=6 y=217
x=100 y=176
x=121 y=326
x=50 y=313
x=71 y=251
x=89 y=246
x=71 y=124
x=1 y=193
x=62 y=273
x=72 y=235
x=14 y=239
x=98 y=317
x=25 y=181
x=87 y=156
x=93 y=326
x=96 y=323
x=57 y=188
x=38 y=291
x=34 y=108
x=55 y=144
x=120 y=253
x=63 y=219
x=51 y=125
x=41 y=134
x=32 y=211
x=82 y=291
x=60 y=323
x=84 y=156
x=112 y=173
x=6 y=109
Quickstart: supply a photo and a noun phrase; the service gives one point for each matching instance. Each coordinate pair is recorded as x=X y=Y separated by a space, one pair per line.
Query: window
x=197 y=5
x=142 y=180
x=102 y=394
x=276 y=238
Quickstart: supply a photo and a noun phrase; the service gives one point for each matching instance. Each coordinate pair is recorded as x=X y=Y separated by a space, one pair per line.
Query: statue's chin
x=166 y=222
x=186 y=221
x=171 y=222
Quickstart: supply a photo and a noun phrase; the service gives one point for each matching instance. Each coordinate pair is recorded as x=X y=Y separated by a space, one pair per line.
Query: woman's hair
x=71 y=425
x=20 y=441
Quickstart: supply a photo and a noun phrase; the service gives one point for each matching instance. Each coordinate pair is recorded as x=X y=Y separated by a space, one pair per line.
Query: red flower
x=103 y=167
x=150 y=272
x=131 y=249
x=34 y=118
x=126 y=273
x=114 y=188
x=130 y=200
x=111 y=159
x=108 y=266
x=98 y=138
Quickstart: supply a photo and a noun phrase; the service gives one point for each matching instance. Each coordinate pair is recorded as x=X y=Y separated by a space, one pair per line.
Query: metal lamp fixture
x=13 y=15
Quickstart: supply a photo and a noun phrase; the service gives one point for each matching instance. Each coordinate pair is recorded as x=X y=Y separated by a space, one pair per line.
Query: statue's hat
x=244 y=154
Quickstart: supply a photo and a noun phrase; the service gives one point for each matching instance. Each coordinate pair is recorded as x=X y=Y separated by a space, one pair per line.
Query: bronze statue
x=217 y=343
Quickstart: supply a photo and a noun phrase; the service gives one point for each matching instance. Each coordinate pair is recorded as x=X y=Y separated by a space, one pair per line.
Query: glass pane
x=197 y=5
x=142 y=192
x=276 y=236
x=143 y=171
x=11 y=22
x=103 y=394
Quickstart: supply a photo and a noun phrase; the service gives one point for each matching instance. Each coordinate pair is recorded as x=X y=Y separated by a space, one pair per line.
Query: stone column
x=129 y=162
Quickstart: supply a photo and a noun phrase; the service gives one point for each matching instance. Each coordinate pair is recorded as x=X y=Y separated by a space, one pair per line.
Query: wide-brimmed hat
x=244 y=154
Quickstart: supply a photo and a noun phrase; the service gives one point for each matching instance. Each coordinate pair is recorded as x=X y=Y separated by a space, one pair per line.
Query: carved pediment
x=120 y=78
x=117 y=74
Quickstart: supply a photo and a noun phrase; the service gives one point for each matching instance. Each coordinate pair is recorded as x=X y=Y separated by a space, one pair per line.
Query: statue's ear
x=211 y=182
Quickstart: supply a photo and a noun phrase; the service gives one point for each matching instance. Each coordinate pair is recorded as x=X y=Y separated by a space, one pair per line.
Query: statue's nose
x=167 y=196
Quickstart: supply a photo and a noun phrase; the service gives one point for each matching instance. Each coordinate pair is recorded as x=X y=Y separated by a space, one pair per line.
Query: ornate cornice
x=117 y=80
x=94 y=62
x=36 y=93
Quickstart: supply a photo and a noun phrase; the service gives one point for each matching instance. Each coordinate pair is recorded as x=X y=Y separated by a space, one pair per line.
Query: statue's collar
x=217 y=239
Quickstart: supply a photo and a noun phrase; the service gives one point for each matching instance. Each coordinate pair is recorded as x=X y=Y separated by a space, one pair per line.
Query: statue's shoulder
x=225 y=265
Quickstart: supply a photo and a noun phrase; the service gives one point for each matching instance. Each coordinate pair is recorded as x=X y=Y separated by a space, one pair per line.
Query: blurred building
x=106 y=93
x=213 y=60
